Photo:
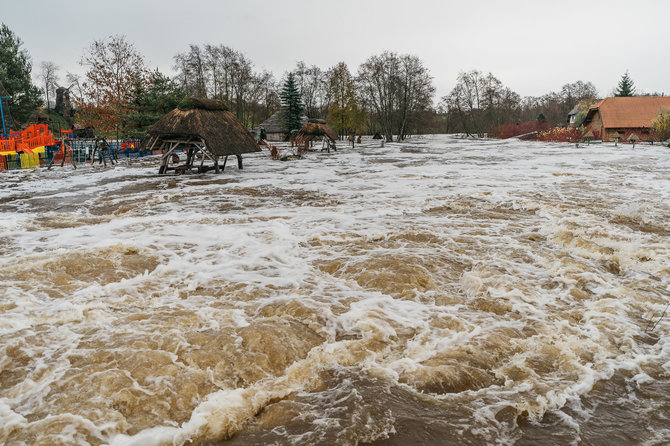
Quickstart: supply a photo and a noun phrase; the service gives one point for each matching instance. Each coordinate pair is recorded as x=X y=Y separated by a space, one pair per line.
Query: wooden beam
x=165 y=159
x=153 y=142
x=179 y=141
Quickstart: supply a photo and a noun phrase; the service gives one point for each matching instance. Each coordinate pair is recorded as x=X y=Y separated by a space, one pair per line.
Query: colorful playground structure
x=37 y=146
x=23 y=149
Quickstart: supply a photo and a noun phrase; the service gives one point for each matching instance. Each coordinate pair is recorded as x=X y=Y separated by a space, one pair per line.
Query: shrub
x=509 y=130
x=560 y=134
x=661 y=125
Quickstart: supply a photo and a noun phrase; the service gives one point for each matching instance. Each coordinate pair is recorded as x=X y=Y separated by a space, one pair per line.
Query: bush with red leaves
x=509 y=130
x=560 y=134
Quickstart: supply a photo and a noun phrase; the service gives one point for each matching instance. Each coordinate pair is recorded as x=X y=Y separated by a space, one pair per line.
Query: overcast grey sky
x=532 y=46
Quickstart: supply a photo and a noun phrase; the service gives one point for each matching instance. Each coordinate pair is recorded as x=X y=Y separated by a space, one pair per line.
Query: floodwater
x=438 y=291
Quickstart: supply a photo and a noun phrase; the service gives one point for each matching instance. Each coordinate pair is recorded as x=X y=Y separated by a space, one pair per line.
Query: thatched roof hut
x=205 y=119
x=317 y=129
x=200 y=125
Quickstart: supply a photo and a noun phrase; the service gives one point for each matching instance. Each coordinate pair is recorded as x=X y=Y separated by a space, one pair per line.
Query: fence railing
x=82 y=151
x=7 y=145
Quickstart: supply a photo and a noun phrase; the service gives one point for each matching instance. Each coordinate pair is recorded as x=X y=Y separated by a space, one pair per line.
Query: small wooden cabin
x=274 y=127
x=205 y=130
x=619 y=118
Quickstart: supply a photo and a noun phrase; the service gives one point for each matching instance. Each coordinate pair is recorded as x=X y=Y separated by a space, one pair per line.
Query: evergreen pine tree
x=15 y=70
x=152 y=99
x=625 y=87
x=292 y=108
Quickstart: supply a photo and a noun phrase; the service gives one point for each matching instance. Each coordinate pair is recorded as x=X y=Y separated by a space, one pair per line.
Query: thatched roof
x=208 y=119
x=275 y=123
x=315 y=128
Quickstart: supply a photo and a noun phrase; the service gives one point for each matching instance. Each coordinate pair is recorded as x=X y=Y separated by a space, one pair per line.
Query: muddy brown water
x=438 y=291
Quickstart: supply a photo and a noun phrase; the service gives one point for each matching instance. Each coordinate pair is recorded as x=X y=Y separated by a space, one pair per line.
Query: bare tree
x=377 y=79
x=255 y=98
x=313 y=85
x=465 y=100
x=480 y=101
x=271 y=101
x=241 y=77
x=555 y=106
x=395 y=89
x=221 y=73
x=212 y=61
x=49 y=77
x=578 y=91
x=193 y=75
x=415 y=92
x=74 y=80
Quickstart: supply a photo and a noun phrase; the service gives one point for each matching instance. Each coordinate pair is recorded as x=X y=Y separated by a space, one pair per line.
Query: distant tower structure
x=63 y=103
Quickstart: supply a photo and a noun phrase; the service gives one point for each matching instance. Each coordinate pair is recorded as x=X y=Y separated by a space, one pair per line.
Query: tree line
x=391 y=94
x=480 y=102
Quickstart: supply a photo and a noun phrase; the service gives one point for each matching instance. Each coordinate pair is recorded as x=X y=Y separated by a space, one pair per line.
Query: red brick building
x=627 y=118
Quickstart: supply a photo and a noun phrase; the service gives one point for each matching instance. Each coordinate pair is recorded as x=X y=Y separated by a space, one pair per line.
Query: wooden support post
x=153 y=143
x=71 y=157
x=225 y=160
x=239 y=161
x=202 y=162
x=212 y=157
x=165 y=159
x=189 y=165
x=164 y=163
x=189 y=158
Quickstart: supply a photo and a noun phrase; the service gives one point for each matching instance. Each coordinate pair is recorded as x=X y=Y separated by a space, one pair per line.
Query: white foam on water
x=511 y=274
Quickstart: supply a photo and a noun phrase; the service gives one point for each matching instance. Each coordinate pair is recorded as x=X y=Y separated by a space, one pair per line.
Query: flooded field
x=438 y=291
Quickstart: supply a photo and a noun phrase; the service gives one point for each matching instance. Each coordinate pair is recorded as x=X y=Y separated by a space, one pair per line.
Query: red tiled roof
x=632 y=112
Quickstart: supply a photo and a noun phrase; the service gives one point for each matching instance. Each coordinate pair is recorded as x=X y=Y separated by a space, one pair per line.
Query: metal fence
x=82 y=151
